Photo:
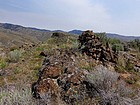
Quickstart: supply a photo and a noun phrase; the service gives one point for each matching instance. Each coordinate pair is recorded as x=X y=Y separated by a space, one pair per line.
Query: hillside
x=11 y=35
x=10 y=38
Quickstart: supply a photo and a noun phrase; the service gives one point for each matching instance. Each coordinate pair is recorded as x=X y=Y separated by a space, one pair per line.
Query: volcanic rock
x=51 y=72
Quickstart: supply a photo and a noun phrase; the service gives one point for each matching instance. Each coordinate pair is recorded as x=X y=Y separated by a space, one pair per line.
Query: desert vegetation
x=82 y=78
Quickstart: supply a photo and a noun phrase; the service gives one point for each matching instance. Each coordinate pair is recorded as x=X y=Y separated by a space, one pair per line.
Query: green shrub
x=3 y=63
x=106 y=86
x=135 y=44
x=39 y=49
x=120 y=69
x=121 y=64
x=129 y=66
x=57 y=41
x=113 y=41
x=75 y=43
x=15 y=55
x=117 y=47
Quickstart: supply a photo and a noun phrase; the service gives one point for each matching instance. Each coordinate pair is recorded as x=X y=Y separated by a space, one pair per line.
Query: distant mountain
x=14 y=27
x=11 y=34
x=78 y=32
x=121 y=37
x=57 y=31
x=40 y=34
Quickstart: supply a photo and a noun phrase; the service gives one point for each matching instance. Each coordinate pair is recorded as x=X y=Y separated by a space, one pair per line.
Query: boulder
x=43 y=54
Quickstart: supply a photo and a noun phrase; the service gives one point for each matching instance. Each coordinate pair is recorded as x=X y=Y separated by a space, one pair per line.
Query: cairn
x=91 y=45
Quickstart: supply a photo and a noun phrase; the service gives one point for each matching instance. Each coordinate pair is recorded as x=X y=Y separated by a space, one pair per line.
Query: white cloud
x=81 y=14
x=72 y=14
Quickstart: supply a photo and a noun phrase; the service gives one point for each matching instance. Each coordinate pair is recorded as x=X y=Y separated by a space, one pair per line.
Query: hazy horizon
x=120 y=17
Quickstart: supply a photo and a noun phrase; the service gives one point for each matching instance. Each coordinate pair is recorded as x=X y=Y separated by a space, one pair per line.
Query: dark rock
x=2 y=72
x=51 y=72
x=35 y=94
x=43 y=54
x=44 y=87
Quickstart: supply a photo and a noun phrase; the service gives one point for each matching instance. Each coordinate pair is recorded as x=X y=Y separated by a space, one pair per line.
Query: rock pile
x=91 y=45
x=60 y=77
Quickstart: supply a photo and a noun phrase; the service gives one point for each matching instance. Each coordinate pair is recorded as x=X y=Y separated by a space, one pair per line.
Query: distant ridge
x=39 y=34
x=17 y=35
x=122 y=37
x=12 y=34
x=79 y=32
x=110 y=35
x=15 y=27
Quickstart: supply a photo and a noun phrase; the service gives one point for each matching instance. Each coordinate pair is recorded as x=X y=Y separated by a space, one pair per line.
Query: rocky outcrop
x=60 y=77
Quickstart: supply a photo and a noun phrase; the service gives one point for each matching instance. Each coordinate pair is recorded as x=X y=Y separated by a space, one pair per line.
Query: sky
x=112 y=16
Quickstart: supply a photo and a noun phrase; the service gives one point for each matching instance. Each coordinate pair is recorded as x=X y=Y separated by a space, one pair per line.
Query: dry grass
x=110 y=90
x=17 y=96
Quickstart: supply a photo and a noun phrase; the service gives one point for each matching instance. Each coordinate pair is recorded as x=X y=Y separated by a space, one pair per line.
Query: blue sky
x=115 y=16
